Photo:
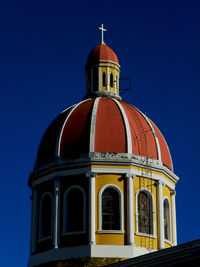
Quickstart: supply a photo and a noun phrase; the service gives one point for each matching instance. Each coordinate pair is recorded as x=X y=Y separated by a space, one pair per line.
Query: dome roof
x=103 y=53
x=102 y=125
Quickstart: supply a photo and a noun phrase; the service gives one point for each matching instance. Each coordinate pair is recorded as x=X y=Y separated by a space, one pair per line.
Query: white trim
x=61 y=132
x=120 y=207
x=154 y=134
x=108 y=78
x=99 y=80
x=64 y=231
x=174 y=217
x=110 y=232
x=160 y=215
x=109 y=61
x=92 y=207
x=130 y=209
x=93 y=124
x=57 y=141
x=127 y=127
x=114 y=159
x=50 y=236
x=56 y=233
x=153 y=211
x=68 y=108
x=115 y=82
x=170 y=221
x=117 y=170
x=106 y=65
x=156 y=138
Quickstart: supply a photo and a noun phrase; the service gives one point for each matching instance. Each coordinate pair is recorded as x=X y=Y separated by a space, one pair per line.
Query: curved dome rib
x=93 y=124
x=153 y=132
x=74 y=139
x=127 y=127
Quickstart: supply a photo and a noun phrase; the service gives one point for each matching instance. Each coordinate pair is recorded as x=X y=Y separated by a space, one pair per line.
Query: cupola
x=102 y=71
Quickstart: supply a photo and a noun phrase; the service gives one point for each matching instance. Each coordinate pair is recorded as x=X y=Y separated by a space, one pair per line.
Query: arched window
x=116 y=82
x=103 y=79
x=111 y=206
x=111 y=80
x=45 y=229
x=145 y=212
x=167 y=219
x=74 y=210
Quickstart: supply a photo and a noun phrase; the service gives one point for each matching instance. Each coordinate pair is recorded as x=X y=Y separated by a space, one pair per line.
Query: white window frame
x=121 y=210
x=153 y=210
x=170 y=224
x=65 y=211
x=40 y=226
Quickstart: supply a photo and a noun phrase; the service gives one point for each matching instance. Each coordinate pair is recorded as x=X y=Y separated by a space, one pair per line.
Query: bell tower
x=102 y=71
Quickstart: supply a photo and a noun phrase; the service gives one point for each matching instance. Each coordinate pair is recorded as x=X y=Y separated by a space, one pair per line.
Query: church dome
x=104 y=125
x=102 y=53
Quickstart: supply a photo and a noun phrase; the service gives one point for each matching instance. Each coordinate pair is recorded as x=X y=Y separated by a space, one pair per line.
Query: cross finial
x=102 y=30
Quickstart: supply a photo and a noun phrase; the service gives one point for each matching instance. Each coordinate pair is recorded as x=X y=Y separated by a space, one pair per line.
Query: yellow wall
x=112 y=69
x=138 y=183
x=142 y=241
x=101 y=180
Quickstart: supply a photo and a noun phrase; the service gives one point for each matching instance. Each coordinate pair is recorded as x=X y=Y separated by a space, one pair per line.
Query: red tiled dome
x=102 y=53
x=102 y=125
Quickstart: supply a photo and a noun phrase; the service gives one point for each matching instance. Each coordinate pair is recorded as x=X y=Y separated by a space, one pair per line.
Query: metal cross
x=102 y=30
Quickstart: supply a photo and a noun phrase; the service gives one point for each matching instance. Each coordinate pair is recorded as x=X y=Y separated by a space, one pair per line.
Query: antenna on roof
x=124 y=90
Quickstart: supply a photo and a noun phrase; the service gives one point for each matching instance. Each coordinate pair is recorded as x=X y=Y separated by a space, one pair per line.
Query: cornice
x=99 y=158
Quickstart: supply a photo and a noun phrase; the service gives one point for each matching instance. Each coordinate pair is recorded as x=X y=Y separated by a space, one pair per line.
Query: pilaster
x=130 y=209
x=173 y=194
x=92 y=196
x=160 y=215
x=56 y=232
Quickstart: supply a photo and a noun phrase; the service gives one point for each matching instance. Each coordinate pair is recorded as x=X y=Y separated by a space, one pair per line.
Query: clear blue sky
x=43 y=50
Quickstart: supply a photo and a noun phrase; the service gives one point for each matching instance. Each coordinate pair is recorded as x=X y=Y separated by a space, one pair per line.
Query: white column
x=160 y=215
x=130 y=209
x=173 y=193
x=115 y=82
x=99 y=74
x=56 y=232
x=34 y=221
x=108 y=79
x=92 y=213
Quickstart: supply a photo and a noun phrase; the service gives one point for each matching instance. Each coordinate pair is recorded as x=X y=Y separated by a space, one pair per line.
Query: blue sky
x=43 y=51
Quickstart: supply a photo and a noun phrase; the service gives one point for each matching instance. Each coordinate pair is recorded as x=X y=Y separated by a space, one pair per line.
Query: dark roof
x=187 y=254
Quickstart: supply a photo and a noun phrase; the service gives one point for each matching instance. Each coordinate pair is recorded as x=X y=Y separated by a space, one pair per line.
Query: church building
x=103 y=185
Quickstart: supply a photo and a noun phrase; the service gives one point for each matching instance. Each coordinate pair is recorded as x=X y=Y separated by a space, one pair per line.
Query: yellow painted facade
x=114 y=69
x=139 y=182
